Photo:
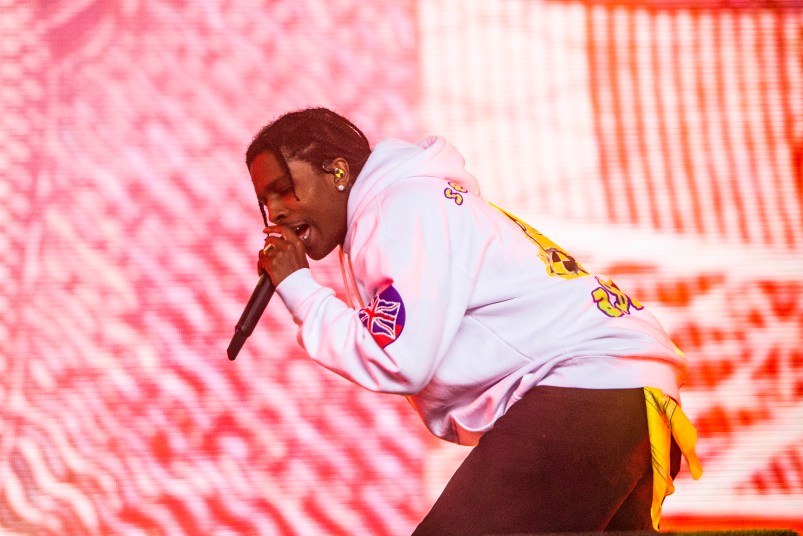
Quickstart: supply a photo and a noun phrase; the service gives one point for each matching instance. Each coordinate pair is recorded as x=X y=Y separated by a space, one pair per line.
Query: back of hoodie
x=462 y=306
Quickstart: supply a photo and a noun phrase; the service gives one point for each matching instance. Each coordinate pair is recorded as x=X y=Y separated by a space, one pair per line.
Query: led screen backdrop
x=662 y=142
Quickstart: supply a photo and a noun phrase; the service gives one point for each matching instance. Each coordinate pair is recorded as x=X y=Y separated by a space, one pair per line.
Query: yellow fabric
x=665 y=420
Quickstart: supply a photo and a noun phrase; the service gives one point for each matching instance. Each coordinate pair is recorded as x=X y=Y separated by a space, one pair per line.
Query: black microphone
x=253 y=310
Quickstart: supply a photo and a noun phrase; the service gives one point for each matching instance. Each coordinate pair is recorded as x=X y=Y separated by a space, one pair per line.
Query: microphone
x=253 y=310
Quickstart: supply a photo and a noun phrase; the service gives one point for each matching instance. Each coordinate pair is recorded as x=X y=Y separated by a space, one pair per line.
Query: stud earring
x=340 y=187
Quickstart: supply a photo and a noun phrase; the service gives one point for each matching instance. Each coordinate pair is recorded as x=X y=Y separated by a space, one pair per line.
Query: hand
x=282 y=255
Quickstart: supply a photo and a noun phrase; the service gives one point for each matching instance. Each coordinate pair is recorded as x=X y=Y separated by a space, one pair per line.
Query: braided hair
x=313 y=135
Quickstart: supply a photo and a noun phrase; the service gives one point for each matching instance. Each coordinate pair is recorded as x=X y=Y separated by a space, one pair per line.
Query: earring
x=340 y=187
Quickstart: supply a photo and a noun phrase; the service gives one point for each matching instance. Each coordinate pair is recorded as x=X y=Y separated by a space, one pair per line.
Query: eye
x=283 y=188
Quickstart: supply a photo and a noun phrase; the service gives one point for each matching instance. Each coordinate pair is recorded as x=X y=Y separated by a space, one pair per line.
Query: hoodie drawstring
x=350 y=282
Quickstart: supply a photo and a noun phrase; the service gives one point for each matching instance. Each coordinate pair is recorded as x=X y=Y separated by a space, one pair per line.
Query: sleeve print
x=612 y=301
x=384 y=317
x=558 y=262
x=455 y=192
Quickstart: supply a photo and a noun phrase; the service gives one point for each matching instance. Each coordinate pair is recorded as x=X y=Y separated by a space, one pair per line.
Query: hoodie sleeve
x=417 y=294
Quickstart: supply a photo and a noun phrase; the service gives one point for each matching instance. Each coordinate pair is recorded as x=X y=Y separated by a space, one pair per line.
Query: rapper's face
x=306 y=201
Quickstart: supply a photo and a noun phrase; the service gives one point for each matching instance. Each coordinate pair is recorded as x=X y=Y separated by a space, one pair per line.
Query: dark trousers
x=560 y=460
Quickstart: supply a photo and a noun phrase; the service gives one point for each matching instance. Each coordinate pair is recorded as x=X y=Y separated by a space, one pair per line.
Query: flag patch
x=384 y=316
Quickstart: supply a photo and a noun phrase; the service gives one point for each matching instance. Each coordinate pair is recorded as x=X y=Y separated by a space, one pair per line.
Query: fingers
x=281 y=237
x=285 y=238
x=282 y=254
x=268 y=253
x=282 y=232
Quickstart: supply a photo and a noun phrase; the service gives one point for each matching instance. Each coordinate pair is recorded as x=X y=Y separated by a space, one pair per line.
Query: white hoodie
x=464 y=308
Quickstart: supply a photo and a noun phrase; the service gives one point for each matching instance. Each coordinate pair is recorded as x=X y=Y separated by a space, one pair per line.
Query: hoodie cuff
x=296 y=291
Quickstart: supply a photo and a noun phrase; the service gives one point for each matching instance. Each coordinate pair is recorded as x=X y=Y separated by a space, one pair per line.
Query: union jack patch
x=384 y=316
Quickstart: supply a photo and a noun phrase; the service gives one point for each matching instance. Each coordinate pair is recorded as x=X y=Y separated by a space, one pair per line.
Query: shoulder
x=422 y=197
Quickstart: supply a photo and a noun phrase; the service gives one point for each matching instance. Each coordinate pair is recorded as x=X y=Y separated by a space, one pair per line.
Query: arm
x=418 y=298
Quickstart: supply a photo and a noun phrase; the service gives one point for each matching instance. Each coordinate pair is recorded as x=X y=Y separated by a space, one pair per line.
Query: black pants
x=560 y=460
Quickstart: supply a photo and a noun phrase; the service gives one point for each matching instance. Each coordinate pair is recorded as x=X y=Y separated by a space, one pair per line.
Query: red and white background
x=660 y=141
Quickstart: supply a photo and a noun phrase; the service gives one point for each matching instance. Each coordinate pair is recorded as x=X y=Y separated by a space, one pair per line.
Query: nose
x=276 y=211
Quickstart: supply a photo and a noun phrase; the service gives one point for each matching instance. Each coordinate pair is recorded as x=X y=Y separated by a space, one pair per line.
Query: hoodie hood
x=394 y=160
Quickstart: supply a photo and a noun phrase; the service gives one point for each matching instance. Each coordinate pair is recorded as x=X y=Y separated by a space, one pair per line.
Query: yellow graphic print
x=612 y=301
x=557 y=261
x=452 y=193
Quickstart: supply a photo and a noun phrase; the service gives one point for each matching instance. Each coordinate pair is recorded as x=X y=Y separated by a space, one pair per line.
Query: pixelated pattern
x=661 y=145
x=129 y=233
x=661 y=142
x=705 y=109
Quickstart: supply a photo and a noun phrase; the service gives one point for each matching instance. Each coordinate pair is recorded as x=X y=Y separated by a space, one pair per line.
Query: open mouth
x=302 y=231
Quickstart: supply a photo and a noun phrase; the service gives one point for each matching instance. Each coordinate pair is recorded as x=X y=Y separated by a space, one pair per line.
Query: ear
x=339 y=168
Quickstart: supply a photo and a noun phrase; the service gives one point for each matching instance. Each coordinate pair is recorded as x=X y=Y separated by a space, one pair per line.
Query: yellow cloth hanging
x=665 y=420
